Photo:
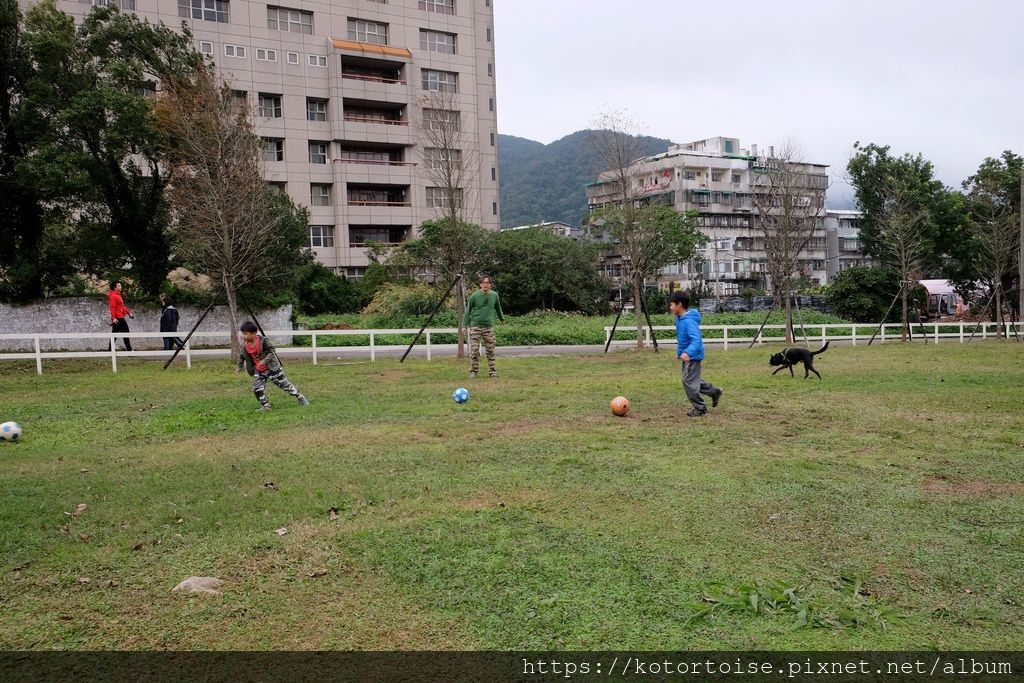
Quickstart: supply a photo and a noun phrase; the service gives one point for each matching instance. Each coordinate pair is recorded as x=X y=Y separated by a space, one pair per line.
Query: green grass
x=879 y=508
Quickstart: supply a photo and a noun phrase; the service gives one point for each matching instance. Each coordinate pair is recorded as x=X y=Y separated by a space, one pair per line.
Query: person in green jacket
x=481 y=308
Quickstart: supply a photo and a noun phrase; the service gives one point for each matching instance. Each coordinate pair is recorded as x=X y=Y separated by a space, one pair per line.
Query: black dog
x=791 y=356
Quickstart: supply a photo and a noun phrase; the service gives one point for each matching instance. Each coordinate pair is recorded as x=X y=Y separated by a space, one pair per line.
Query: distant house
x=842 y=241
x=557 y=227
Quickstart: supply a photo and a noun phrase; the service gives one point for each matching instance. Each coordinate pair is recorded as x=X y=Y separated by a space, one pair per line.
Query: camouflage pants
x=476 y=336
x=259 y=385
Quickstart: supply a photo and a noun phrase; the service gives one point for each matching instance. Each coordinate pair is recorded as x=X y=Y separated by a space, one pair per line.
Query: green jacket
x=481 y=309
x=267 y=354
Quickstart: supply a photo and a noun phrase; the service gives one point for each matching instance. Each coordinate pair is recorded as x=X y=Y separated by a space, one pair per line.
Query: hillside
x=546 y=182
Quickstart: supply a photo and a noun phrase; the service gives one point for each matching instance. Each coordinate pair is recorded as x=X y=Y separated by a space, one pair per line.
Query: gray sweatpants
x=695 y=386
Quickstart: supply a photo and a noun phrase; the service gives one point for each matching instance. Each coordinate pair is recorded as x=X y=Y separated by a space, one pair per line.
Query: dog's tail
x=823 y=349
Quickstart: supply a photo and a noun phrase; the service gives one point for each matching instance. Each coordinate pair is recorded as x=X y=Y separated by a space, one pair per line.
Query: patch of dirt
x=489 y=500
x=941 y=486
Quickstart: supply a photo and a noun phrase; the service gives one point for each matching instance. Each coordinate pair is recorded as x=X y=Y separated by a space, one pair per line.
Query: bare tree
x=228 y=223
x=789 y=197
x=902 y=243
x=994 y=228
x=649 y=237
x=451 y=164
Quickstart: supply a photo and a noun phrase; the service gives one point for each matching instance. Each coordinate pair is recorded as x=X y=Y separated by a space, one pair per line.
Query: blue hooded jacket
x=688 y=335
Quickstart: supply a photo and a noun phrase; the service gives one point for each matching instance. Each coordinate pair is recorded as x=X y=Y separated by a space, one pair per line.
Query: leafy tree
x=229 y=224
x=100 y=145
x=863 y=294
x=535 y=268
x=874 y=171
x=318 y=290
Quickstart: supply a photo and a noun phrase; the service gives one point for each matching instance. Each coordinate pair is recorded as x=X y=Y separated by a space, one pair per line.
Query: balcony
x=372 y=70
x=362 y=236
x=378 y=195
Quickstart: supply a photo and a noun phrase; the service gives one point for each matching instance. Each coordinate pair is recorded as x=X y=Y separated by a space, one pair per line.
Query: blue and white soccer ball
x=460 y=395
x=11 y=431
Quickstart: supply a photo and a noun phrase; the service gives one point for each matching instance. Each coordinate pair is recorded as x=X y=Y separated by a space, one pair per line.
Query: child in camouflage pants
x=259 y=358
x=482 y=307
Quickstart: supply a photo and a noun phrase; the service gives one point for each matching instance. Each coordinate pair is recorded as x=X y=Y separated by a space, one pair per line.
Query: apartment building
x=341 y=92
x=717 y=178
x=842 y=236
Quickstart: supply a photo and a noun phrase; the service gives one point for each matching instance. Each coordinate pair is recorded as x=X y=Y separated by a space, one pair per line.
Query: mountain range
x=547 y=182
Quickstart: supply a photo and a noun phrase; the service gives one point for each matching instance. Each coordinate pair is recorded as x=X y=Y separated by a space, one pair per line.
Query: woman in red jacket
x=119 y=313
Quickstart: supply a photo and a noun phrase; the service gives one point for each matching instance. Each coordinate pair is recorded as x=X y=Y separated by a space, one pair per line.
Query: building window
x=494 y=173
x=278 y=187
x=320 y=194
x=441 y=81
x=241 y=102
x=318 y=60
x=442 y=119
x=490 y=70
x=290 y=20
x=270 y=106
x=488 y=34
x=716 y=176
x=205 y=10
x=316 y=110
x=318 y=152
x=494 y=208
x=689 y=175
x=439 y=6
x=367 y=31
x=206 y=48
x=273 y=149
x=437 y=159
x=437 y=198
x=263 y=55
x=737 y=178
x=293 y=57
x=234 y=51
x=492 y=140
x=321 y=236
x=490 y=104
x=435 y=41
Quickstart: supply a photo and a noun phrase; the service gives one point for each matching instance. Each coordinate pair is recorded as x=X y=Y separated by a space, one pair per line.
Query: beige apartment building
x=340 y=92
x=716 y=178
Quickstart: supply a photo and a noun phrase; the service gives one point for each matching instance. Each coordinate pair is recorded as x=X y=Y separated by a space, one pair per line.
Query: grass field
x=880 y=508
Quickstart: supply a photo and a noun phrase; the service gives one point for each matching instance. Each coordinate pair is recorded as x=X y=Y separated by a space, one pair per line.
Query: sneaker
x=697 y=413
x=303 y=401
x=472 y=374
x=715 y=398
x=264 y=408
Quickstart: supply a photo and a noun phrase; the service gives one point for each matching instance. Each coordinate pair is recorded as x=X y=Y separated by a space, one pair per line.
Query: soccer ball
x=620 y=406
x=10 y=431
x=460 y=395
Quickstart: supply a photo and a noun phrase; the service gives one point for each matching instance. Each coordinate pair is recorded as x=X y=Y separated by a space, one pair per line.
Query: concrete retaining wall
x=84 y=314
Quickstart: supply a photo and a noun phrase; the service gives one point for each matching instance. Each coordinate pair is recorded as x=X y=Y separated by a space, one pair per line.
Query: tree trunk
x=999 y=311
x=229 y=294
x=638 y=313
x=905 y=314
x=787 y=290
x=460 y=311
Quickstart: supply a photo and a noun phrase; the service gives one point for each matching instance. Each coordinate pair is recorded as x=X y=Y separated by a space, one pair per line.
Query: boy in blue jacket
x=690 y=350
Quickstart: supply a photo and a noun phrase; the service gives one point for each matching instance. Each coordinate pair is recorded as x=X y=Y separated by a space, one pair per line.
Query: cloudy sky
x=940 y=77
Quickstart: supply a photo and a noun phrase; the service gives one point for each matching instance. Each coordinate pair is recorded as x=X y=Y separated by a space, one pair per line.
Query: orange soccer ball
x=620 y=406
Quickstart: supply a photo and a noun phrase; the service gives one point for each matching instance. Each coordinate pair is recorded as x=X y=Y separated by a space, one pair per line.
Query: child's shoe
x=303 y=401
x=265 y=408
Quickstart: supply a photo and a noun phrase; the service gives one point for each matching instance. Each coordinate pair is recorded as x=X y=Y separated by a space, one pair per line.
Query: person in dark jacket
x=259 y=358
x=169 y=322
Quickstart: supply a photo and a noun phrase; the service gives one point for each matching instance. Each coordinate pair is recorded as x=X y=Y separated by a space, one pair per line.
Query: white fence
x=713 y=334
x=188 y=352
x=832 y=332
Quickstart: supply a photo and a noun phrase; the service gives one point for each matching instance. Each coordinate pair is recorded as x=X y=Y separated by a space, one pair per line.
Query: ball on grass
x=10 y=431
x=460 y=395
x=620 y=406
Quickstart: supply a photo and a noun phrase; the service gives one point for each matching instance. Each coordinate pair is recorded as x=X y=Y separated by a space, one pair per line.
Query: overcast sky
x=940 y=77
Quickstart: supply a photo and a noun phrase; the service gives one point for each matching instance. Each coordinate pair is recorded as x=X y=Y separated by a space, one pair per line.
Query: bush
x=394 y=301
x=863 y=294
x=319 y=290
